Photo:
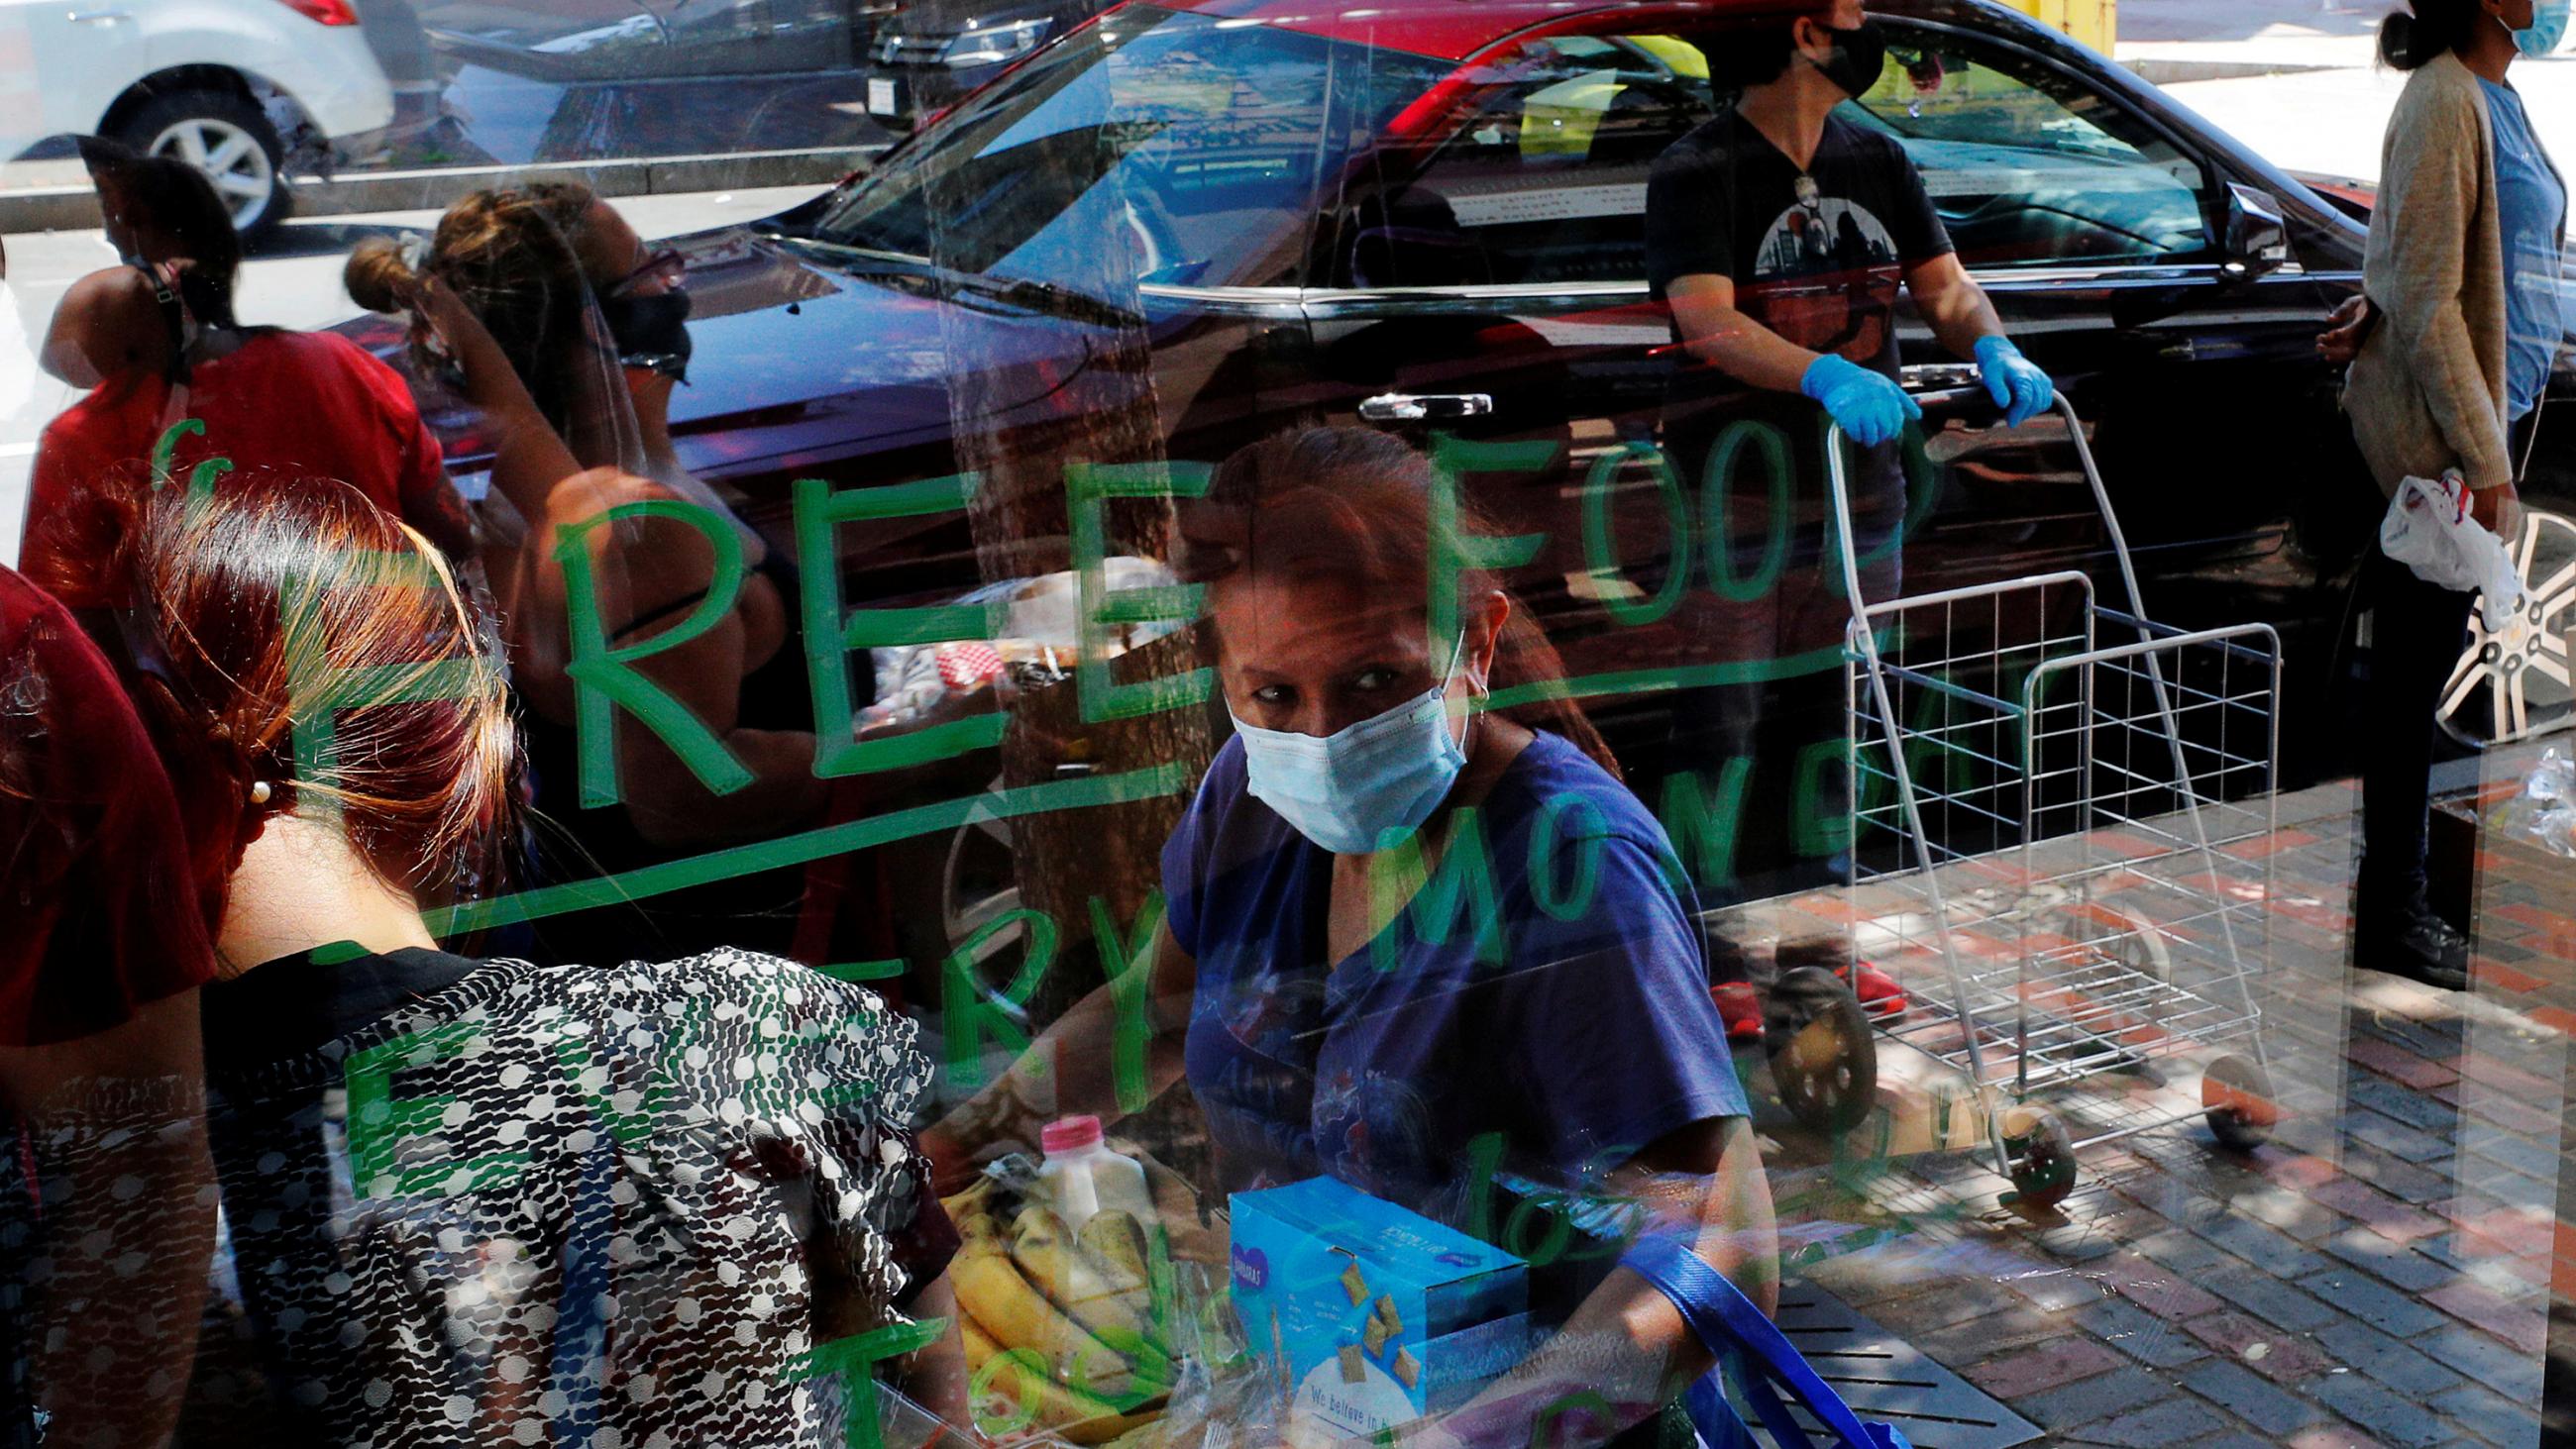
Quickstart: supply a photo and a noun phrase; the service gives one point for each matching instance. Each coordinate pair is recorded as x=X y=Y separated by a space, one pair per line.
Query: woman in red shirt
x=105 y=1224
x=156 y=341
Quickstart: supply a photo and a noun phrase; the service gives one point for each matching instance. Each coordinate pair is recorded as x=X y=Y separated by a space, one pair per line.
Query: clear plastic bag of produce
x=1116 y=1332
x=2544 y=812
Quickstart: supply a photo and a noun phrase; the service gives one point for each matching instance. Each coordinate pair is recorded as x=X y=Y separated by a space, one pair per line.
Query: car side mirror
x=2258 y=240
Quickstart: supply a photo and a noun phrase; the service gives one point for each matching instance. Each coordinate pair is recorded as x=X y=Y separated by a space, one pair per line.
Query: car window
x=1545 y=181
x=753 y=37
x=2027 y=166
x=1193 y=143
x=607 y=40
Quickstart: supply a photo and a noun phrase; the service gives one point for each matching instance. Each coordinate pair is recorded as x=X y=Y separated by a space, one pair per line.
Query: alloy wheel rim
x=2517 y=682
x=230 y=156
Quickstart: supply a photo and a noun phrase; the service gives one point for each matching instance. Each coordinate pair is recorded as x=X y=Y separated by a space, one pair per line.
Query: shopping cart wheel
x=2238 y=1098
x=1823 y=1060
x=2043 y=1158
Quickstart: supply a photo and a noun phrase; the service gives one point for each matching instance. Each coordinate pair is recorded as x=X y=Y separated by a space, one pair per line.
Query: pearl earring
x=260 y=792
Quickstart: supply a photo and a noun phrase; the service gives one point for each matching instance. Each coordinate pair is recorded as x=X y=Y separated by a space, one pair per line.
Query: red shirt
x=95 y=880
x=307 y=404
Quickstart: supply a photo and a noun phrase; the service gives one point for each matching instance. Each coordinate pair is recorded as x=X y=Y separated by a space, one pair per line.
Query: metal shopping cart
x=2045 y=791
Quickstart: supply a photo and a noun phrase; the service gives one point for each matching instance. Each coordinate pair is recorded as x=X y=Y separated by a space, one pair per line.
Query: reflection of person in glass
x=477 y=1200
x=2452 y=344
x=155 y=340
x=1331 y=1014
x=1758 y=329
x=567 y=331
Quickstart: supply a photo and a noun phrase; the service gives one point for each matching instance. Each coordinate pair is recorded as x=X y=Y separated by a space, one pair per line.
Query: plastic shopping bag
x=1036 y=642
x=1749 y=1344
x=2544 y=810
x=2428 y=529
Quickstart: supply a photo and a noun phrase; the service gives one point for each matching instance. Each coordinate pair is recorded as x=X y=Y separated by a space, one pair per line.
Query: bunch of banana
x=1060 y=1328
x=1013 y=1395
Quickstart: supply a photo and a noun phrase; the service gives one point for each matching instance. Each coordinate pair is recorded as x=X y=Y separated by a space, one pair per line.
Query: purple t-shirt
x=1547 y=986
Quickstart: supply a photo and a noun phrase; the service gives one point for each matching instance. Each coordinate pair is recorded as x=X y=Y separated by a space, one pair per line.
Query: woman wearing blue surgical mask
x=2451 y=347
x=1414 y=937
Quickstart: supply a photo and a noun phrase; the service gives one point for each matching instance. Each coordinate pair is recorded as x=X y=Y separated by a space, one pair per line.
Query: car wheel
x=227 y=137
x=2515 y=682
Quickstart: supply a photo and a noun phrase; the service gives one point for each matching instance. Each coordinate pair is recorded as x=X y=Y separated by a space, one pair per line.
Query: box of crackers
x=1370 y=1314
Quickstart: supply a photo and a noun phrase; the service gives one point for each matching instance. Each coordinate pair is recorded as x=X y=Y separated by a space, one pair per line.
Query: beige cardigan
x=2427 y=391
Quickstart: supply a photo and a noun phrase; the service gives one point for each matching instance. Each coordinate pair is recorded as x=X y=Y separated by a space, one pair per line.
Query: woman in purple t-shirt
x=1410 y=939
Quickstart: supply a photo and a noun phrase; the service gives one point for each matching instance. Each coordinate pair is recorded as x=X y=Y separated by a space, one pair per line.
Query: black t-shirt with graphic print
x=1821 y=270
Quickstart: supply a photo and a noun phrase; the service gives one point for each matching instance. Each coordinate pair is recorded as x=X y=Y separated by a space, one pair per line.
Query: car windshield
x=2027 y=166
x=1173 y=147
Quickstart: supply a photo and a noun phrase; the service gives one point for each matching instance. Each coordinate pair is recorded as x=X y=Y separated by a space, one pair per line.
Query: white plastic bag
x=2428 y=529
x=1039 y=641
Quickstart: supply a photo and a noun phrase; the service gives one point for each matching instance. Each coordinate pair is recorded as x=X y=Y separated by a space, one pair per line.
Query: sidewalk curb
x=75 y=208
x=2169 y=72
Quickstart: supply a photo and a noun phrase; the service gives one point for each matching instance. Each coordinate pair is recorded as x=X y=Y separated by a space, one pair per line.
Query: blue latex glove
x=2013 y=381
x=1869 y=405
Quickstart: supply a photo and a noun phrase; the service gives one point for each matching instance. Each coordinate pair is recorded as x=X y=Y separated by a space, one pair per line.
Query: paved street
x=2376 y=1276
x=2278 y=113
x=2326 y=58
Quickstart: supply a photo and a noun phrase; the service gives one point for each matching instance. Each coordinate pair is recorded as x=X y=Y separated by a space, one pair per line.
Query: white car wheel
x=2515 y=682
x=232 y=158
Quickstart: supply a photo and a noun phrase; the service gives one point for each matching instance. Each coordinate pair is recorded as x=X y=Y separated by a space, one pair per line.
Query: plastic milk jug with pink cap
x=1083 y=1175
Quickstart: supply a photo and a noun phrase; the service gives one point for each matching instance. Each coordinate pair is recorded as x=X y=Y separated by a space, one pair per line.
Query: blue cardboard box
x=1373 y=1314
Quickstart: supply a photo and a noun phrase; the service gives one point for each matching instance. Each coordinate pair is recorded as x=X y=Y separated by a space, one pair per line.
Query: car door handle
x=1419 y=407
x=98 y=17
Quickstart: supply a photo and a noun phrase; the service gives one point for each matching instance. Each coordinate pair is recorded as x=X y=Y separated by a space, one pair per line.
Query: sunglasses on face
x=663 y=271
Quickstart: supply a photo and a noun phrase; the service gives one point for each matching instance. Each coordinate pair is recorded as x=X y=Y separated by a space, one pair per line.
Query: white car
x=239 y=88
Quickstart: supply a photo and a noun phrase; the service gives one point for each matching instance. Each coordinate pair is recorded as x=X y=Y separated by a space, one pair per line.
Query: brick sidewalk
x=2377 y=1275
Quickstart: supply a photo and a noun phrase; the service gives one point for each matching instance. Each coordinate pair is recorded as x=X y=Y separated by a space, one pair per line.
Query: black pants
x=2417 y=632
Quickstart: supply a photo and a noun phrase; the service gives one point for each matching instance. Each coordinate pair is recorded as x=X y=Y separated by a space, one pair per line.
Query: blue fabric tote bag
x=1750 y=1345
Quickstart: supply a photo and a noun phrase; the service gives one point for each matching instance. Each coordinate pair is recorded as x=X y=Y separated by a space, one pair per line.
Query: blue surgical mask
x=1350 y=790
x=2548 y=27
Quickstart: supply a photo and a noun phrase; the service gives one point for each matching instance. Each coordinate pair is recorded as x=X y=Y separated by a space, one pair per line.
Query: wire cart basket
x=2044 y=793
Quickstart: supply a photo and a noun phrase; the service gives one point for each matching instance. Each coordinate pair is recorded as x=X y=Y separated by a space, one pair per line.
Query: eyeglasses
x=666 y=267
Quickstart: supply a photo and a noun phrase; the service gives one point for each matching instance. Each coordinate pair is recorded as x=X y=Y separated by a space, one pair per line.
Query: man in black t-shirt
x=1780 y=234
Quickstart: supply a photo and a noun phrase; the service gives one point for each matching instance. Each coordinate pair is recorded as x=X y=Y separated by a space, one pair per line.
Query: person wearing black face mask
x=1780 y=233
x=507 y=288
x=650 y=332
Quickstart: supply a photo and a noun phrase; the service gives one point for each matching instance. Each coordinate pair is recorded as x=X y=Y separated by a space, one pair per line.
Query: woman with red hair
x=469 y=1199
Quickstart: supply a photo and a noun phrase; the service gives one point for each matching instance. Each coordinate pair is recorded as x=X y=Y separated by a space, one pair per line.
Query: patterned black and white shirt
x=492 y=1203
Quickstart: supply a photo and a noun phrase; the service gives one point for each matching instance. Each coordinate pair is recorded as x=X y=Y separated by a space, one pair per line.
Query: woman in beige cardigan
x=2455 y=342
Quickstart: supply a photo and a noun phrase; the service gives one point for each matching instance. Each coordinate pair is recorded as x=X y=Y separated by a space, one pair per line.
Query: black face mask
x=1860 y=53
x=650 y=331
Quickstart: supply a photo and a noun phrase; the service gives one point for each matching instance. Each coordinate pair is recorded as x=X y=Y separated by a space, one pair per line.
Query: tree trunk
x=1019 y=427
